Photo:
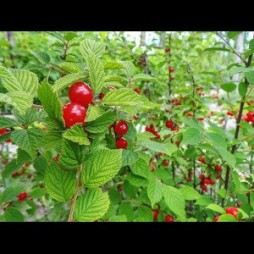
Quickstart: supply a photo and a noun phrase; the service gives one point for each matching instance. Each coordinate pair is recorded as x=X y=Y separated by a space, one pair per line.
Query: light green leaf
x=137 y=181
x=88 y=47
x=94 y=112
x=91 y=206
x=129 y=157
x=101 y=167
x=96 y=73
x=216 y=140
x=227 y=156
x=113 y=65
x=250 y=77
x=144 y=77
x=242 y=89
x=70 y=67
x=6 y=122
x=228 y=87
x=13 y=215
x=227 y=218
x=192 y=136
x=204 y=201
x=76 y=134
x=129 y=68
x=52 y=139
x=67 y=80
x=216 y=208
x=191 y=123
x=118 y=218
x=154 y=191
x=174 y=200
x=114 y=78
x=60 y=184
x=141 y=168
x=190 y=193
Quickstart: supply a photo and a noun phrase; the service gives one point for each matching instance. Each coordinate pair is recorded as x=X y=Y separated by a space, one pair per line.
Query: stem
x=194 y=174
x=73 y=201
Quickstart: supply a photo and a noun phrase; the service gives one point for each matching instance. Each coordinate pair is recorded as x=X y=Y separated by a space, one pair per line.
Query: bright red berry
x=121 y=143
x=137 y=90
x=155 y=214
x=233 y=211
x=73 y=113
x=203 y=187
x=22 y=196
x=169 y=123
x=167 y=50
x=101 y=95
x=8 y=140
x=201 y=177
x=229 y=113
x=207 y=181
x=216 y=218
x=3 y=131
x=121 y=128
x=202 y=160
x=81 y=93
x=168 y=218
x=165 y=163
x=218 y=167
x=170 y=69
x=175 y=128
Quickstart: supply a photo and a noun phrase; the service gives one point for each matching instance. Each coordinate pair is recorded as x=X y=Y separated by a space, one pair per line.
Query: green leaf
x=216 y=208
x=137 y=181
x=60 y=184
x=204 y=201
x=250 y=77
x=154 y=191
x=227 y=218
x=101 y=167
x=6 y=122
x=40 y=164
x=227 y=156
x=94 y=112
x=113 y=65
x=118 y=218
x=129 y=157
x=122 y=97
x=102 y=123
x=28 y=139
x=42 y=57
x=67 y=80
x=96 y=73
x=217 y=49
x=251 y=43
x=174 y=200
x=52 y=140
x=72 y=154
x=252 y=199
x=88 y=47
x=13 y=215
x=190 y=193
x=70 y=67
x=192 y=136
x=76 y=134
x=144 y=77
x=129 y=68
x=141 y=168
x=50 y=102
x=11 y=167
x=114 y=78
x=22 y=156
x=232 y=35
x=167 y=148
x=242 y=89
x=228 y=87
x=10 y=194
x=91 y=206
x=216 y=140
x=37 y=193
x=191 y=123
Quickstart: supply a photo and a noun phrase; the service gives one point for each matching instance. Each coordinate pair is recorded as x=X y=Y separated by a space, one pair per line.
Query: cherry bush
x=107 y=131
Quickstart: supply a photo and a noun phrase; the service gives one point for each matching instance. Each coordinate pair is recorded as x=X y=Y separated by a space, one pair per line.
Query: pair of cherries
x=121 y=128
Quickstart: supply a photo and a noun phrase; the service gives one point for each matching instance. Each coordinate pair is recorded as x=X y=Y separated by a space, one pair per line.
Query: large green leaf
x=227 y=156
x=174 y=200
x=216 y=140
x=101 y=167
x=129 y=157
x=190 y=193
x=94 y=112
x=76 y=134
x=52 y=139
x=60 y=184
x=227 y=218
x=154 y=191
x=250 y=77
x=228 y=87
x=216 y=208
x=13 y=215
x=7 y=122
x=91 y=206
x=89 y=47
x=192 y=136
x=137 y=181
x=141 y=168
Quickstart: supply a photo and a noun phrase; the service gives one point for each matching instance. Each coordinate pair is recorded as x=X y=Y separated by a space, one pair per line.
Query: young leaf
x=113 y=65
x=70 y=67
x=154 y=191
x=216 y=208
x=228 y=87
x=76 y=134
x=88 y=47
x=91 y=206
x=60 y=184
x=101 y=167
x=94 y=112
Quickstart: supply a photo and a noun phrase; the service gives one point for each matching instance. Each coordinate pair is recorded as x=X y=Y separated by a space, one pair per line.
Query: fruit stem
x=73 y=201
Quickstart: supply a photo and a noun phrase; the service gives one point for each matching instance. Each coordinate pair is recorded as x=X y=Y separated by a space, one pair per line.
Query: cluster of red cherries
x=22 y=172
x=151 y=129
x=249 y=117
x=120 y=129
x=167 y=218
x=171 y=125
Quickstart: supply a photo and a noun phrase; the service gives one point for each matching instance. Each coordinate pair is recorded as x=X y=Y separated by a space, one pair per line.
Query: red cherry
x=201 y=177
x=101 y=95
x=218 y=167
x=165 y=163
x=157 y=134
x=8 y=140
x=168 y=218
x=153 y=168
x=212 y=182
x=121 y=143
x=73 y=113
x=175 y=128
x=137 y=90
x=216 y=218
x=15 y=174
x=203 y=187
x=3 y=131
x=121 y=128
x=167 y=50
x=232 y=210
x=169 y=123
x=202 y=160
x=207 y=181
x=81 y=93
x=170 y=69
x=155 y=214
x=22 y=196
x=229 y=113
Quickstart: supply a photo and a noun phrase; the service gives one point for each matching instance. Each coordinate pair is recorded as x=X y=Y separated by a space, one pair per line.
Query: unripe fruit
x=121 y=143
x=22 y=196
x=233 y=211
x=168 y=218
x=165 y=163
x=73 y=113
x=155 y=214
x=81 y=93
x=121 y=128
x=170 y=69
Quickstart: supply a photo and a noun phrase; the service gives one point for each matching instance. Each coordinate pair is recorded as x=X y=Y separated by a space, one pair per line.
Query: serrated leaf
x=136 y=181
x=6 y=122
x=88 y=47
x=154 y=191
x=228 y=87
x=60 y=184
x=174 y=200
x=190 y=193
x=91 y=206
x=40 y=164
x=129 y=68
x=242 y=89
x=102 y=123
x=11 y=167
x=101 y=167
x=227 y=156
x=96 y=73
x=94 y=112
x=22 y=156
x=50 y=102
x=141 y=168
x=76 y=134
x=72 y=154
x=52 y=139
x=13 y=215
x=192 y=136
x=67 y=80
x=28 y=139
x=70 y=67
x=114 y=78
x=113 y=65
x=144 y=77
x=167 y=148
x=122 y=97
x=227 y=218
x=129 y=157
x=216 y=139
x=216 y=208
